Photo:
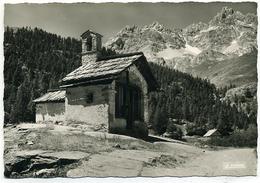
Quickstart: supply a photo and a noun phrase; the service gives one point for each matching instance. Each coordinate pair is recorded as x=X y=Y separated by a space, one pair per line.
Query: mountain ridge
x=228 y=36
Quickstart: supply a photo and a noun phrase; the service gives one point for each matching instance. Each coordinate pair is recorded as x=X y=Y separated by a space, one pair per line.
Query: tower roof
x=88 y=32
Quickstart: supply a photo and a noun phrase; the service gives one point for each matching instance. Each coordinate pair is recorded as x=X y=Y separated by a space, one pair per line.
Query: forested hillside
x=196 y=100
x=35 y=61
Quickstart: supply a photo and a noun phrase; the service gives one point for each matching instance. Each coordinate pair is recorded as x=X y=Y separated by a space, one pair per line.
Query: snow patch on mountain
x=211 y=28
x=232 y=48
x=192 y=49
x=170 y=53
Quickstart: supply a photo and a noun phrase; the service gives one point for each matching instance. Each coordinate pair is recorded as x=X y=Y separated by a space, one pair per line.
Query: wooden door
x=134 y=106
x=128 y=103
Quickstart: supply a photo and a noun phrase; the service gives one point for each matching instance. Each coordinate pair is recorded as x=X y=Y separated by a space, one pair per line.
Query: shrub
x=174 y=131
x=193 y=129
x=140 y=129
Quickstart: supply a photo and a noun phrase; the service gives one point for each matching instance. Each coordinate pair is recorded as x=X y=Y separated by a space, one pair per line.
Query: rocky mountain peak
x=225 y=16
x=196 y=48
x=158 y=27
x=226 y=11
x=228 y=16
x=128 y=30
x=149 y=39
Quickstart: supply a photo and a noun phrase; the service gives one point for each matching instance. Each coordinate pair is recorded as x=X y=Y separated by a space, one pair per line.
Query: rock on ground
x=45 y=172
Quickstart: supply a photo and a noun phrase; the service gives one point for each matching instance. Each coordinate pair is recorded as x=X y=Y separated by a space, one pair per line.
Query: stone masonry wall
x=89 y=57
x=80 y=108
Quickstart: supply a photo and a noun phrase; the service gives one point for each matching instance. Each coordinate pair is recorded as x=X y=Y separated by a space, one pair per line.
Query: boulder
x=117 y=146
x=65 y=155
x=15 y=165
x=29 y=153
x=41 y=163
x=30 y=143
x=45 y=172
x=25 y=162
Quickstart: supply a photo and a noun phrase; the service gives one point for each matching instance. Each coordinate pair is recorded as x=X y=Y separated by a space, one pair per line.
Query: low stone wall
x=50 y=112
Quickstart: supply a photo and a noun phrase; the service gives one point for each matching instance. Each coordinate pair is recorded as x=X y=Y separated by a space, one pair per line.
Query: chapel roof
x=109 y=68
x=86 y=33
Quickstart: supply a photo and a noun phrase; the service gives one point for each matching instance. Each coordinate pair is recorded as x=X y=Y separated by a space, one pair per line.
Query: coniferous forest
x=195 y=100
x=35 y=61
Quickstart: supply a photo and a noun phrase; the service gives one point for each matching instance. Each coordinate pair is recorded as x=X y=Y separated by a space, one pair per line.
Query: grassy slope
x=133 y=157
x=54 y=138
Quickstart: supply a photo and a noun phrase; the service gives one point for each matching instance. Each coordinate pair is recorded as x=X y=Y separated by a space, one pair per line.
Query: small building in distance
x=212 y=133
x=108 y=93
x=50 y=107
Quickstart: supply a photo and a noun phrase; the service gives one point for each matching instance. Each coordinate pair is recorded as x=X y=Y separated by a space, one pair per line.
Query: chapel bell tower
x=91 y=46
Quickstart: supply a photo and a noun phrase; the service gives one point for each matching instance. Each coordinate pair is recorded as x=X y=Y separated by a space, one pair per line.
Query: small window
x=89 y=98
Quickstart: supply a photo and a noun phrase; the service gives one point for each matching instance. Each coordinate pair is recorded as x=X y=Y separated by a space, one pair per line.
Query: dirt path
x=197 y=162
x=232 y=162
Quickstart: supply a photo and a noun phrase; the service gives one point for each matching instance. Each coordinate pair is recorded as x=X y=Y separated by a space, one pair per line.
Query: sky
x=109 y=18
